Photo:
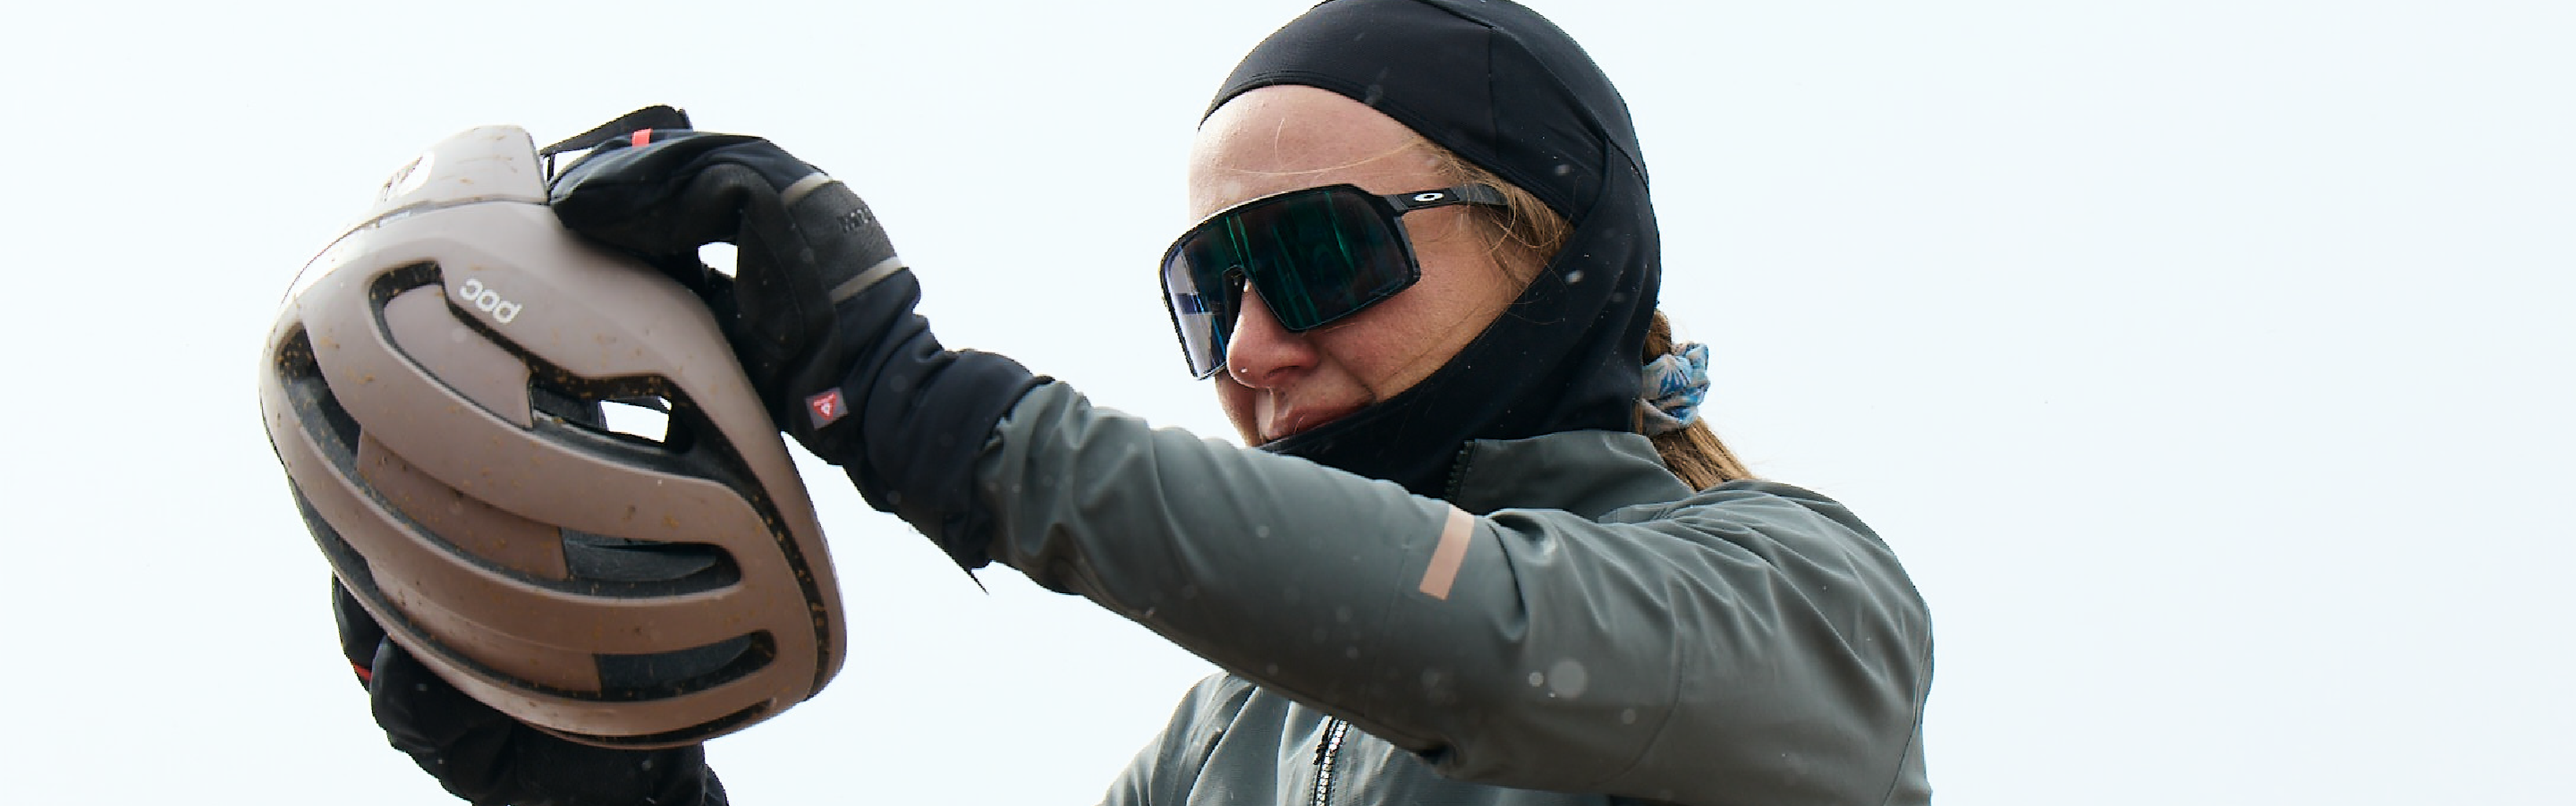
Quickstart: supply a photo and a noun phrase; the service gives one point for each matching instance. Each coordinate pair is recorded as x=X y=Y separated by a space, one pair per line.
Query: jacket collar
x=1588 y=473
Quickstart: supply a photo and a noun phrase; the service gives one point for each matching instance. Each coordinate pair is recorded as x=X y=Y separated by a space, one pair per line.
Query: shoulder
x=1213 y=706
x=1769 y=499
x=1781 y=523
x=1752 y=501
x=1223 y=721
x=1208 y=707
x=1220 y=694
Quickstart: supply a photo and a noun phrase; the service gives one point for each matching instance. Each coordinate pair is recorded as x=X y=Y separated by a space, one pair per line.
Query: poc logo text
x=489 y=300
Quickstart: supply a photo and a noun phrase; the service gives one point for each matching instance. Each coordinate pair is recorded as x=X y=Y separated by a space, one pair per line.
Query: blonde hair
x=1526 y=235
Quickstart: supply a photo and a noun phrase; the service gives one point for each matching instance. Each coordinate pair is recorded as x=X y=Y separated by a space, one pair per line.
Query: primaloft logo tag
x=489 y=300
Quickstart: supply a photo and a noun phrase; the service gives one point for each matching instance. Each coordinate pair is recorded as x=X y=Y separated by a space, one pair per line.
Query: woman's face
x=1282 y=138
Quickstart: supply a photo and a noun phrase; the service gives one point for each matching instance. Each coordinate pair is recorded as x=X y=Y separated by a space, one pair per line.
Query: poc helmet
x=435 y=387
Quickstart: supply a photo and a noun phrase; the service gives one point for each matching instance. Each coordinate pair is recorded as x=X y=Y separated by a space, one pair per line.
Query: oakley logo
x=1429 y=197
x=488 y=300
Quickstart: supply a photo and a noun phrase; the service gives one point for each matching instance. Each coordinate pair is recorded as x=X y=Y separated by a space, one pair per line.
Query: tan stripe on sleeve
x=1455 y=536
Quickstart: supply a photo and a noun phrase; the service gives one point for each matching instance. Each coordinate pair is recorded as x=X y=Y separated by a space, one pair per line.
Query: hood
x=1506 y=90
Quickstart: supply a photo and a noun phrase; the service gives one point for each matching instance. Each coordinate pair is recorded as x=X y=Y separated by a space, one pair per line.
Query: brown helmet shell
x=433 y=386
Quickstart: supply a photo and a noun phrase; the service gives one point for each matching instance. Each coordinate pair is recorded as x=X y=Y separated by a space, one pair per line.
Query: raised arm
x=1751 y=644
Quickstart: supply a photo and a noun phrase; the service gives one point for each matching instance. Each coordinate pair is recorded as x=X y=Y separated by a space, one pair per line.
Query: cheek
x=1381 y=346
x=1237 y=400
x=1395 y=345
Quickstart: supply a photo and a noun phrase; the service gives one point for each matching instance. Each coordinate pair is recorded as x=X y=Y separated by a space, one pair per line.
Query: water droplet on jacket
x=1261 y=530
x=1567 y=678
x=1563 y=169
x=1575 y=276
x=1537 y=679
x=1342 y=614
x=1627 y=716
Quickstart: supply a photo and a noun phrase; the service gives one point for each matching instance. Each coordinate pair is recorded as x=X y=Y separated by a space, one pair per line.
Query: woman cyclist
x=1482 y=551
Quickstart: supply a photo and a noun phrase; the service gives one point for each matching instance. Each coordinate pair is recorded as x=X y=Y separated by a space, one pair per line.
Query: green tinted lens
x=1316 y=255
x=1322 y=255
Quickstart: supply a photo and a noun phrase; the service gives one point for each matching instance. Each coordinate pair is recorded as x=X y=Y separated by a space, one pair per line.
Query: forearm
x=1271 y=566
x=1562 y=653
x=1304 y=579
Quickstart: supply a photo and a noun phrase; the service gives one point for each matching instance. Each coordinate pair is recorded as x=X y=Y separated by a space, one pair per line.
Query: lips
x=1289 y=422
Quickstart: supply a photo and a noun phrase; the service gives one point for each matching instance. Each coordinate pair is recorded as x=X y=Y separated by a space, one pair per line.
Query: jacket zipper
x=1326 y=752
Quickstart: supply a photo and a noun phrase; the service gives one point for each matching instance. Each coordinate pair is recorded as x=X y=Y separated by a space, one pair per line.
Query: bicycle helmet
x=435 y=388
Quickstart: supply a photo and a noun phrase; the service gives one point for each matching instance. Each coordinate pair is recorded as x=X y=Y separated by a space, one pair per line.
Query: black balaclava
x=1505 y=89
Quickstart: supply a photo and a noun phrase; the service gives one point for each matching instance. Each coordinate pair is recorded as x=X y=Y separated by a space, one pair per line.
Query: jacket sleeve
x=1752 y=644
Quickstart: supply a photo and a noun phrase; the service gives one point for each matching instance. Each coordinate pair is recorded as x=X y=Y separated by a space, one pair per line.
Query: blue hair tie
x=1674 y=386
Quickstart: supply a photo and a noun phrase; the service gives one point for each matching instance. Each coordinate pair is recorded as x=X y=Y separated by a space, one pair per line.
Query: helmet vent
x=631 y=412
x=666 y=674
x=623 y=678
x=644 y=418
x=301 y=375
x=645 y=568
x=688 y=735
x=394 y=282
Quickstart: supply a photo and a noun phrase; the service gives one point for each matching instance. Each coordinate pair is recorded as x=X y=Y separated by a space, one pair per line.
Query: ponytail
x=1694 y=452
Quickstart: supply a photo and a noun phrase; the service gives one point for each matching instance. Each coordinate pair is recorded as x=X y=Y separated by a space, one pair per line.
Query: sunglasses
x=1315 y=255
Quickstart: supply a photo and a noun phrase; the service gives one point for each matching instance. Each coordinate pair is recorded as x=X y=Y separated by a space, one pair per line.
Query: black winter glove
x=486 y=757
x=802 y=246
x=820 y=312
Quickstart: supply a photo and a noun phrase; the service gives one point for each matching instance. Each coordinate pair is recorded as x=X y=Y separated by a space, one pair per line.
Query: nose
x=1263 y=354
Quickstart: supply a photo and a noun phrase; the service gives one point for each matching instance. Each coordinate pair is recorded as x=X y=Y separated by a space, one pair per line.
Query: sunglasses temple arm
x=1462 y=194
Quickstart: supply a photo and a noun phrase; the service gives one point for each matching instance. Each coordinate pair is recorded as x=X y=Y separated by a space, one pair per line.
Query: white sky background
x=2206 y=362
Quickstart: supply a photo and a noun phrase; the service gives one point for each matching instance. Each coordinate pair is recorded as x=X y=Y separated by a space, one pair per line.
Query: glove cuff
x=908 y=424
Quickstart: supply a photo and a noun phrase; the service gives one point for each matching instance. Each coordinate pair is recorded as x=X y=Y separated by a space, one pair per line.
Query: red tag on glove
x=826 y=407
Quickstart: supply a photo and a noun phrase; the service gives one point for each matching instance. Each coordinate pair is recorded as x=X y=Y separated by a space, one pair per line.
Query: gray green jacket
x=1574 y=625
